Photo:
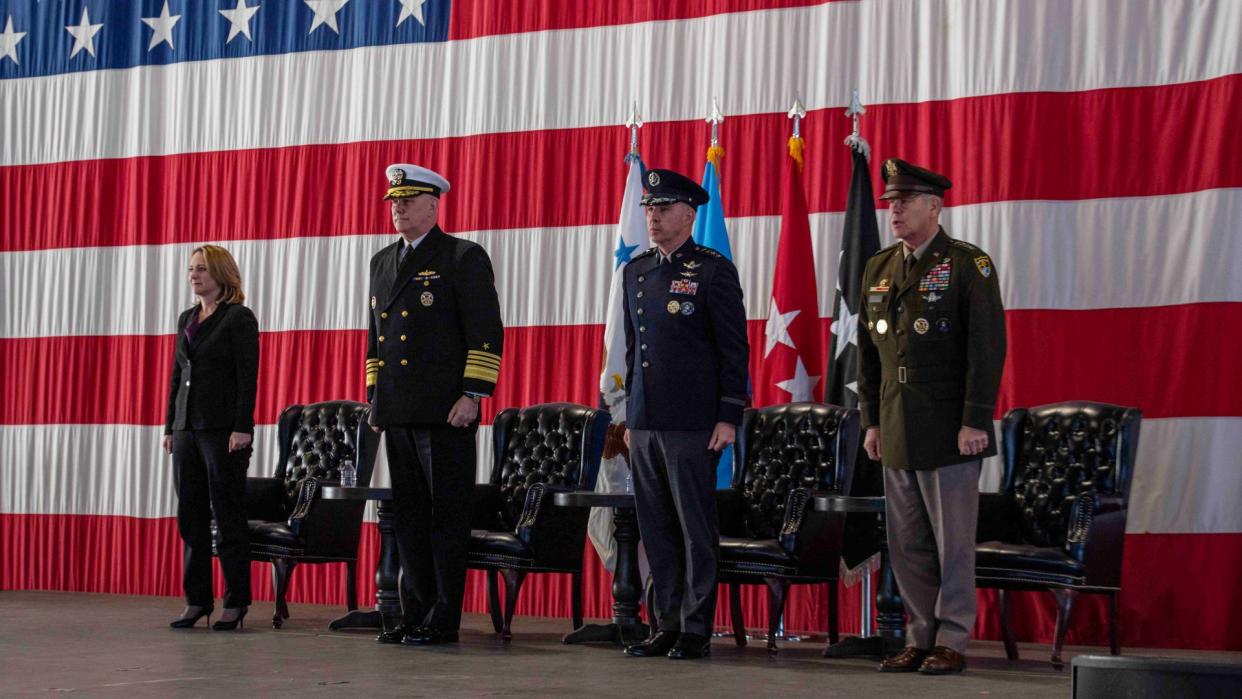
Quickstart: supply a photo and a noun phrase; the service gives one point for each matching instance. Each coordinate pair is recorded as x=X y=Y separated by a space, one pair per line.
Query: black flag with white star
x=860 y=240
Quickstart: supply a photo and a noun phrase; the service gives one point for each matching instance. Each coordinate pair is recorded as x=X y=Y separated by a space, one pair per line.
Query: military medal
x=943 y=325
x=687 y=308
x=936 y=278
x=683 y=286
x=881 y=326
x=373 y=303
x=427 y=298
x=921 y=326
x=674 y=307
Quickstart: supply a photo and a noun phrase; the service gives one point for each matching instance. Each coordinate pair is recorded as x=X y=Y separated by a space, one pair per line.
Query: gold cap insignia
x=890 y=166
x=398 y=176
x=653 y=179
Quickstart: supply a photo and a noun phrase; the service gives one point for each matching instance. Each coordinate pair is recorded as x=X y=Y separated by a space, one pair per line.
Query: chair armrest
x=556 y=535
x=308 y=493
x=814 y=538
x=731 y=512
x=1096 y=536
x=265 y=499
x=488 y=504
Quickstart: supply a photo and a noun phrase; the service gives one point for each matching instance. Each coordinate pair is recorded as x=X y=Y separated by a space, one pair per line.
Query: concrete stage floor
x=110 y=645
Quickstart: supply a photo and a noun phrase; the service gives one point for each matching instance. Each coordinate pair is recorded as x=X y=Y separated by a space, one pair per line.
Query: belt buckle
x=901 y=374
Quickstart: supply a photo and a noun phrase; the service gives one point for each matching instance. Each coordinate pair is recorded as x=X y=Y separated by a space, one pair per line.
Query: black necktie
x=405 y=250
x=911 y=260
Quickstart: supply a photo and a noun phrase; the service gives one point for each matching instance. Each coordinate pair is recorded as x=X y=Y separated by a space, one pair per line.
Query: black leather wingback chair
x=770 y=532
x=1058 y=522
x=539 y=451
x=289 y=522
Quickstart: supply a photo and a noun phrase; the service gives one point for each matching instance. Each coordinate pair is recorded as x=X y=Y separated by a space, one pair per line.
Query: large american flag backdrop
x=1094 y=147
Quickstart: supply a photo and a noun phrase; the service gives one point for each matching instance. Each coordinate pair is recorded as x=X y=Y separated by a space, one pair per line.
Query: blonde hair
x=223 y=268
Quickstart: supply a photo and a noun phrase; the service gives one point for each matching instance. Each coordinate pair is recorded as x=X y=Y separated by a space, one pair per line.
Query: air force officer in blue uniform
x=686 y=357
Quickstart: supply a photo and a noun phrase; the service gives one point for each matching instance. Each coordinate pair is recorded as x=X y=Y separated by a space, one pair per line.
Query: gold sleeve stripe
x=474 y=372
x=372 y=378
x=480 y=354
x=495 y=366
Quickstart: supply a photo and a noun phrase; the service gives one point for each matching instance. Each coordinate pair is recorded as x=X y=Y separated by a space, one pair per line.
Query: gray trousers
x=932 y=516
x=675 y=494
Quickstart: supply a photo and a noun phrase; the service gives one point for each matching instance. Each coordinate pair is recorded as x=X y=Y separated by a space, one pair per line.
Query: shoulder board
x=891 y=247
x=709 y=252
x=645 y=253
x=963 y=245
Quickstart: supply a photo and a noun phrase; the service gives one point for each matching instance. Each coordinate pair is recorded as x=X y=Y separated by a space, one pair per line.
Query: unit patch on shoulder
x=984 y=265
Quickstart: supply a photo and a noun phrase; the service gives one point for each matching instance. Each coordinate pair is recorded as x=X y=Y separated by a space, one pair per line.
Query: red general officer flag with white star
x=793 y=357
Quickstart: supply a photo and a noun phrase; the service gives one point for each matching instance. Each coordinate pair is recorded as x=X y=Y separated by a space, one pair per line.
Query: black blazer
x=215 y=378
x=435 y=330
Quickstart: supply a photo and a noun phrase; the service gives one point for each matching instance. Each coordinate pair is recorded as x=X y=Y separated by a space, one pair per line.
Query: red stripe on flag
x=1017 y=146
x=469 y=20
x=1142 y=356
x=132 y=556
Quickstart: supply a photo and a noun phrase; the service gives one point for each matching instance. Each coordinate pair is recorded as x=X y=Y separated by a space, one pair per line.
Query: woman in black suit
x=208 y=431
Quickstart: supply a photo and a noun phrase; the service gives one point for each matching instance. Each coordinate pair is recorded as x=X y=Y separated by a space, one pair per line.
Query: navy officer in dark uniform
x=433 y=350
x=686 y=357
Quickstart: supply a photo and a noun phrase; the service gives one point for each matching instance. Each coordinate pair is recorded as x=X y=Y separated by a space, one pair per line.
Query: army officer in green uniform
x=932 y=347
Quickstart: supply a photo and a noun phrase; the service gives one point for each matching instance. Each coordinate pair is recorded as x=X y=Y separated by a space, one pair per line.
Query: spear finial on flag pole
x=715 y=151
x=855 y=139
x=634 y=123
x=797 y=112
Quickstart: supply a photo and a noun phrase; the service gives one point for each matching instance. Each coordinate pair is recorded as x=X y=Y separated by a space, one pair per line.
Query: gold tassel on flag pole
x=796 y=145
x=715 y=151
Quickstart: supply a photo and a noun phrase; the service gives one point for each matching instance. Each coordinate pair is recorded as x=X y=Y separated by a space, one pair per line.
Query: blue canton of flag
x=49 y=38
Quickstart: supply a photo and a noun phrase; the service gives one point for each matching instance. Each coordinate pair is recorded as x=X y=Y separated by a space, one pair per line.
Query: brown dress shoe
x=908 y=660
x=943 y=661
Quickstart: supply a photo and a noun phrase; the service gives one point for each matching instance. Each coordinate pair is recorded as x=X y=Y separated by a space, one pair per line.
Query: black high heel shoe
x=238 y=623
x=188 y=622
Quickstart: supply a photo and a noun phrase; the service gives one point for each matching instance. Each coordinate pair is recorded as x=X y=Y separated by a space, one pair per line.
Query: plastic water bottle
x=349 y=474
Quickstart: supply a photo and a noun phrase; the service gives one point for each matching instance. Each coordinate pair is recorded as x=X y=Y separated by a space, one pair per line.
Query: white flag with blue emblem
x=632 y=239
x=614 y=467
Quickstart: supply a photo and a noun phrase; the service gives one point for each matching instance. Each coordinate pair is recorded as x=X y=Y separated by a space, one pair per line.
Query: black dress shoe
x=188 y=622
x=691 y=646
x=429 y=636
x=237 y=622
x=659 y=644
x=395 y=634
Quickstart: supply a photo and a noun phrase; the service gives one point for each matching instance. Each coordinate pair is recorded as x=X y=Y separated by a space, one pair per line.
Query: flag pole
x=797 y=112
x=634 y=123
x=855 y=139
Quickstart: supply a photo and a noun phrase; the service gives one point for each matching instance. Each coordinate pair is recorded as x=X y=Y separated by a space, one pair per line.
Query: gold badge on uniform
x=674 y=306
x=427 y=298
x=921 y=326
x=984 y=265
x=372 y=303
x=881 y=326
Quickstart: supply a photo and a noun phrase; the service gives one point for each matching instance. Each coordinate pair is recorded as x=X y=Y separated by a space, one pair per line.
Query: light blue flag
x=710 y=231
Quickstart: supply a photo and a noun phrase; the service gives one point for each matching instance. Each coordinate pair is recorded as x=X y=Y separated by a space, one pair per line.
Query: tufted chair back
x=554 y=443
x=1052 y=455
x=315 y=438
x=795 y=445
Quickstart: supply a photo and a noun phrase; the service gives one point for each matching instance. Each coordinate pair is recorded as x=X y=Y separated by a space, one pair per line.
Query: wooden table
x=627 y=589
x=387 y=596
x=890 y=619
